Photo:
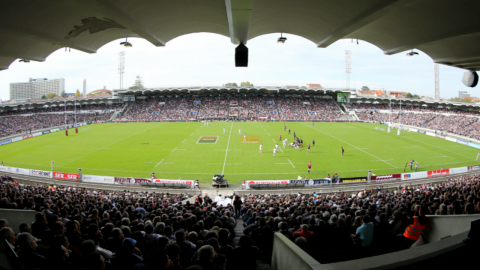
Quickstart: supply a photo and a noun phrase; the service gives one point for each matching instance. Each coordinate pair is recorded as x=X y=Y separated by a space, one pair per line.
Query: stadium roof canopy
x=448 y=31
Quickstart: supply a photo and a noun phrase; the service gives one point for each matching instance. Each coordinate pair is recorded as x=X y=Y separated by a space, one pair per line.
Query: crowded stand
x=77 y=228
x=26 y=121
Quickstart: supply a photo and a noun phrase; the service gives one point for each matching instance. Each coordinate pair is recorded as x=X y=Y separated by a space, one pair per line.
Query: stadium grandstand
x=398 y=220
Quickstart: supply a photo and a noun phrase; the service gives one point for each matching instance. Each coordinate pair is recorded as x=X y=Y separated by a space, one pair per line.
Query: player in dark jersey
x=342 y=150
x=284 y=128
x=288 y=131
x=313 y=142
x=308 y=147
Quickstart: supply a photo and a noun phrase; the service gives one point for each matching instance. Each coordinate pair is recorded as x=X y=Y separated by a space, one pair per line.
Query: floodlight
x=126 y=43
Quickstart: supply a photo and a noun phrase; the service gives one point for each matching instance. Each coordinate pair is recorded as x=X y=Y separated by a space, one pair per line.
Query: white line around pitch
x=174 y=150
x=279 y=146
x=350 y=145
x=184 y=140
x=291 y=163
x=159 y=163
x=226 y=151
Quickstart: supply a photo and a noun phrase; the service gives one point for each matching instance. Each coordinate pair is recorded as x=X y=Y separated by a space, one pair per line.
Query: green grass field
x=174 y=150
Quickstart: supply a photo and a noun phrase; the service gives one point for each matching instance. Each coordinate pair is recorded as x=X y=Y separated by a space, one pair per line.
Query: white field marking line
x=415 y=147
x=436 y=147
x=184 y=140
x=191 y=134
x=269 y=134
x=441 y=157
x=109 y=145
x=159 y=162
x=21 y=156
x=175 y=149
x=172 y=151
x=356 y=148
x=291 y=163
x=278 y=146
x=381 y=160
x=222 y=163
x=349 y=144
x=226 y=151
x=95 y=169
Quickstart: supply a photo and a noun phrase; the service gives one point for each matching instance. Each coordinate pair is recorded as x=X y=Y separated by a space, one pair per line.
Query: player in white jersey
x=284 y=143
x=274 y=151
x=276 y=146
x=207 y=123
x=261 y=145
x=240 y=132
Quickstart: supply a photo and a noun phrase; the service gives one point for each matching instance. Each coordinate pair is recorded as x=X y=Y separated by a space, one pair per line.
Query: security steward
x=414 y=229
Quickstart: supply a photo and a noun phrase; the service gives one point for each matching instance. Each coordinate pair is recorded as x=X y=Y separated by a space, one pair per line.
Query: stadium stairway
x=261 y=264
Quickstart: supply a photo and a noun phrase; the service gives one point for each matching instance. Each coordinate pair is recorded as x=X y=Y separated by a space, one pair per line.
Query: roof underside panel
x=444 y=29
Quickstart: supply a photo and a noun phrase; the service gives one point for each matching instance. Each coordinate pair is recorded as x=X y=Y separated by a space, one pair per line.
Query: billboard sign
x=313 y=182
x=98 y=179
x=349 y=180
x=458 y=170
x=436 y=173
x=39 y=173
x=66 y=176
x=415 y=175
x=386 y=178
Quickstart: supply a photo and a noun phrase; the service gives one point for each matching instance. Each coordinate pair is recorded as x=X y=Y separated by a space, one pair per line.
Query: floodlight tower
x=121 y=67
x=348 y=68
x=437 y=83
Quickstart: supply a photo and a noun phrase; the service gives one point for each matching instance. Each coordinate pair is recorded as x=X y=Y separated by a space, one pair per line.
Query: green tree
x=78 y=93
x=50 y=95
x=247 y=83
x=409 y=95
x=138 y=84
x=231 y=84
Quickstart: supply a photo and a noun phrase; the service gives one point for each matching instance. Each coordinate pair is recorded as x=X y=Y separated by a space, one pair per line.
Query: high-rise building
x=36 y=88
x=462 y=94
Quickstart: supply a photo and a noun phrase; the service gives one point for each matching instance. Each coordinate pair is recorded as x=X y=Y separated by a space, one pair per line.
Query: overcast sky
x=208 y=60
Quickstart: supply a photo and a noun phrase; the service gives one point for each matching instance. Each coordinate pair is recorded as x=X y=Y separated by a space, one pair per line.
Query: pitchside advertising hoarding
x=415 y=175
x=348 y=180
x=386 y=178
x=66 y=176
x=436 y=173
x=17 y=139
x=458 y=170
x=313 y=182
x=474 y=168
x=39 y=173
x=98 y=179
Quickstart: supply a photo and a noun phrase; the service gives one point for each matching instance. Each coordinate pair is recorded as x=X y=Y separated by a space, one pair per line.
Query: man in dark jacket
x=28 y=254
x=40 y=225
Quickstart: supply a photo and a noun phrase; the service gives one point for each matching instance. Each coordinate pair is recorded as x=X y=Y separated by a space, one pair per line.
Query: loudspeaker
x=470 y=78
x=241 y=56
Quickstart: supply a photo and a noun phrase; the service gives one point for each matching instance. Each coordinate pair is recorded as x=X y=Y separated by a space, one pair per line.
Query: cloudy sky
x=205 y=59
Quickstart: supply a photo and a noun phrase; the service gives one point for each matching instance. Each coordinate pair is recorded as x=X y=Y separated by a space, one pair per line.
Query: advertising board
x=349 y=180
x=415 y=175
x=27 y=136
x=40 y=173
x=462 y=142
x=436 y=173
x=474 y=168
x=37 y=134
x=5 y=142
x=17 y=139
x=313 y=182
x=167 y=181
x=386 y=178
x=421 y=131
x=130 y=180
x=439 y=136
x=458 y=170
x=98 y=179
x=267 y=182
x=66 y=176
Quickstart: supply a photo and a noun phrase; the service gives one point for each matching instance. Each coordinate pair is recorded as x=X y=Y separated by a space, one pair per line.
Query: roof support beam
x=23 y=56
x=373 y=13
x=112 y=12
x=45 y=37
x=457 y=33
x=238 y=17
x=454 y=61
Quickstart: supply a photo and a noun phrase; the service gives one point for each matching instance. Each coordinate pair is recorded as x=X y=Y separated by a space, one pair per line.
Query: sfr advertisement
x=438 y=173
